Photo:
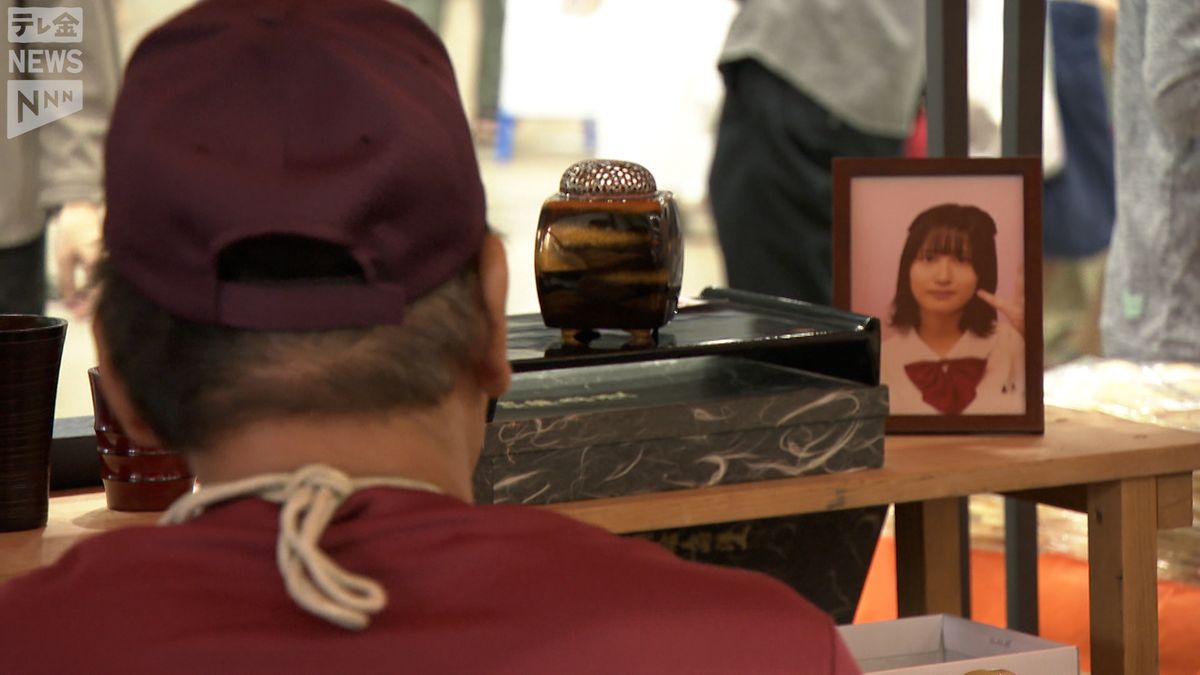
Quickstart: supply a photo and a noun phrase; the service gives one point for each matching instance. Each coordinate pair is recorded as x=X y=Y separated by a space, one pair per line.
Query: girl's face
x=942 y=276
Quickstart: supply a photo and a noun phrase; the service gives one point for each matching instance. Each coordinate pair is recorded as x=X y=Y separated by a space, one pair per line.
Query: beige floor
x=515 y=192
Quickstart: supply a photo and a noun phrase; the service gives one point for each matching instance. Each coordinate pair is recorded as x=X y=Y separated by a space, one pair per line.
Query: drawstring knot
x=309 y=498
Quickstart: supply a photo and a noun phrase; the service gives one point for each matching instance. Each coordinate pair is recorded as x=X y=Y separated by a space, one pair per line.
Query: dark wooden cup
x=30 y=355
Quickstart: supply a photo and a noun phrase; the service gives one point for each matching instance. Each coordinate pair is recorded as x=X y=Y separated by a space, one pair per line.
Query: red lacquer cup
x=136 y=478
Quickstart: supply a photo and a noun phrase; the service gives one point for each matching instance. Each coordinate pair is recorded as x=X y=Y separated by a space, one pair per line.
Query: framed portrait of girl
x=946 y=252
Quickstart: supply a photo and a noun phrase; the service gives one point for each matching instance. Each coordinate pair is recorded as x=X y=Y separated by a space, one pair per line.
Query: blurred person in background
x=478 y=65
x=806 y=81
x=1151 y=306
x=1077 y=158
x=52 y=174
x=1079 y=201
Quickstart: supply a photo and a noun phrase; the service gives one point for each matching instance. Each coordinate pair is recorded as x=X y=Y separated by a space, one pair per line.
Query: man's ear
x=116 y=395
x=494 y=372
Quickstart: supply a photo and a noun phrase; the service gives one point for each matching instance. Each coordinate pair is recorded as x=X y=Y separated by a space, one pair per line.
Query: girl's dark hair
x=952 y=229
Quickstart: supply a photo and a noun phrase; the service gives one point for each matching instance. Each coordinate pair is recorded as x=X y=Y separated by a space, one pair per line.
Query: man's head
x=295 y=222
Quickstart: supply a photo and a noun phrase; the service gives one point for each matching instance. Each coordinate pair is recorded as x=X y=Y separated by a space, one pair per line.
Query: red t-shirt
x=492 y=589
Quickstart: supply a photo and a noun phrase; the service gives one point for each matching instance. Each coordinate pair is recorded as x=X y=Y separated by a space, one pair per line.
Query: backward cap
x=335 y=121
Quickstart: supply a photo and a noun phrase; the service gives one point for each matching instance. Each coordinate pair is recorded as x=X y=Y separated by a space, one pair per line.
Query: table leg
x=1020 y=564
x=1122 y=570
x=929 y=558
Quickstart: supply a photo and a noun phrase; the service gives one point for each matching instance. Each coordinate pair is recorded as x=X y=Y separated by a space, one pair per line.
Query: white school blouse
x=1000 y=392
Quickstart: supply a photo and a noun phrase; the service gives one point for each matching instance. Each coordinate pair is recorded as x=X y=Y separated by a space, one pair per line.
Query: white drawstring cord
x=309 y=497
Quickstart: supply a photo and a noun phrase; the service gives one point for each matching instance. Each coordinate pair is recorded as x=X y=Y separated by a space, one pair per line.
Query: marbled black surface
x=629 y=428
x=605 y=431
x=824 y=556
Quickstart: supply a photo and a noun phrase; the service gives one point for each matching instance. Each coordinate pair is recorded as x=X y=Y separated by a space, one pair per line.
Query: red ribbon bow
x=947 y=385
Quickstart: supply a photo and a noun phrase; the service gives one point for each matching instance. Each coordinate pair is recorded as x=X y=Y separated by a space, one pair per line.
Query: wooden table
x=1130 y=479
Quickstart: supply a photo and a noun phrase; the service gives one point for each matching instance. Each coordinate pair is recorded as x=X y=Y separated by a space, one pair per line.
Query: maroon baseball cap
x=262 y=120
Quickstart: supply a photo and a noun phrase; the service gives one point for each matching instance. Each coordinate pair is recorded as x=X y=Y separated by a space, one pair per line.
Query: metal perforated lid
x=606 y=178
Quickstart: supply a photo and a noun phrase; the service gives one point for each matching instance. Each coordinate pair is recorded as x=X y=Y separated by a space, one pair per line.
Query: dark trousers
x=23 y=278
x=771 y=184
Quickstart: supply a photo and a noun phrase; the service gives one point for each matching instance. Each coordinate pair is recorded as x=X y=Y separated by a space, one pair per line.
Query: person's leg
x=23 y=278
x=771 y=184
x=1091 y=282
x=490 y=59
x=1060 y=309
x=1071 y=293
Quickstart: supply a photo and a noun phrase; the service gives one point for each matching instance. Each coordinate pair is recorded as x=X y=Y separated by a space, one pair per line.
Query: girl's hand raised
x=1013 y=309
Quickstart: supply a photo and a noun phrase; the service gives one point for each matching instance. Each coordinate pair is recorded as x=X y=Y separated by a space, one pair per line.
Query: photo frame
x=962 y=326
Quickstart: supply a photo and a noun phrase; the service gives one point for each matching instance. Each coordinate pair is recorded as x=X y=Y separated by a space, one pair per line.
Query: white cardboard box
x=949 y=645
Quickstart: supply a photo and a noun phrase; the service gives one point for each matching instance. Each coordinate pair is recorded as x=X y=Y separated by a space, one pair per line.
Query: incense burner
x=609 y=253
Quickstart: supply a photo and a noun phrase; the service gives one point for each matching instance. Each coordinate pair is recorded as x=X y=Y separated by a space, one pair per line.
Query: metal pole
x=1021 y=134
x=947 y=117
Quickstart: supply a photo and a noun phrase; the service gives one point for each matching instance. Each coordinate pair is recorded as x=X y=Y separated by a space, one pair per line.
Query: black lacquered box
x=631 y=428
x=737 y=387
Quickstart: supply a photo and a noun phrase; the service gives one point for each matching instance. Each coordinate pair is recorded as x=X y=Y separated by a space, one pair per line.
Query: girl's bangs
x=949 y=241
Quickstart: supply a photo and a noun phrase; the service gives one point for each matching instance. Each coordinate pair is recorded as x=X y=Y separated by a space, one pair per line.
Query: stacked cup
x=136 y=478
x=30 y=355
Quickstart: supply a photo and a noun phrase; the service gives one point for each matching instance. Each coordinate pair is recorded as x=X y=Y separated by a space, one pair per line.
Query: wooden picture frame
x=955 y=359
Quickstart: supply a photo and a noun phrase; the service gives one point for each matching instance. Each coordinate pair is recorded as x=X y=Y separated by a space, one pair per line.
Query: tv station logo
x=38 y=94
